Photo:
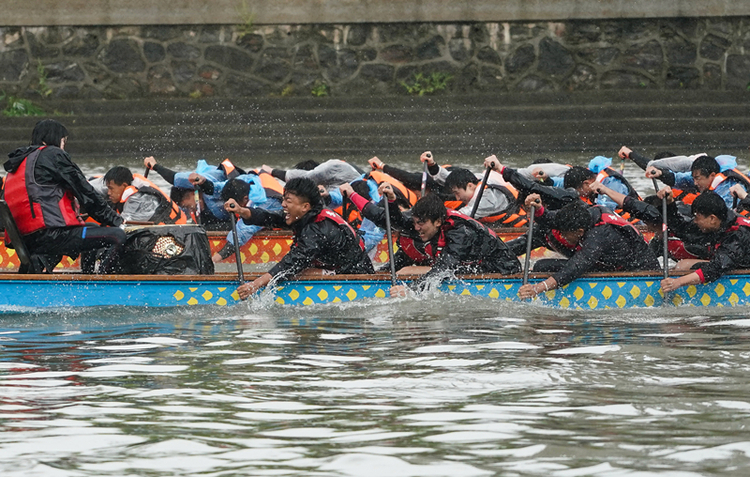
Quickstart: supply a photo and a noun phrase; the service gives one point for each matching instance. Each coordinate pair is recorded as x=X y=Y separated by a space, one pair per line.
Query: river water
x=430 y=386
x=422 y=386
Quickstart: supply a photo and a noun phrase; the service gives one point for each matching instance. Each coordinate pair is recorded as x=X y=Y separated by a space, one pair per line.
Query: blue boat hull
x=591 y=293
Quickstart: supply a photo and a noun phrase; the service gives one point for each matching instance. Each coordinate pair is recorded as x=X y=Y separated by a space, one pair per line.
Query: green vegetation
x=195 y=94
x=427 y=84
x=247 y=20
x=287 y=91
x=319 y=89
x=41 y=72
x=18 y=107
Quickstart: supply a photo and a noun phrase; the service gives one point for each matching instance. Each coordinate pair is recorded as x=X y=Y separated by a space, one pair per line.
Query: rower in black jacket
x=441 y=242
x=593 y=239
x=724 y=235
x=322 y=240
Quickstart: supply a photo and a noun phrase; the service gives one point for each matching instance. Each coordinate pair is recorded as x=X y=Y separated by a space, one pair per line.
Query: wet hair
x=178 y=194
x=710 y=203
x=706 y=165
x=663 y=154
x=460 y=178
x=430 y=207
x=235 y=189
x=49 y=132
x=305 y=189
x=307 y=165
x=573 y=216
x=119 y=175
x=361 y=188
x=541 y=160
x=576 y=176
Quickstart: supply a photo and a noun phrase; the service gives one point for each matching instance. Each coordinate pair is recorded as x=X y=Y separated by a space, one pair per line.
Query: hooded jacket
x=54 y=168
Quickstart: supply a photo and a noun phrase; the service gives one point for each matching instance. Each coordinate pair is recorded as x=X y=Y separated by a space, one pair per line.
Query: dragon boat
x=19 y=292
x=266 y=247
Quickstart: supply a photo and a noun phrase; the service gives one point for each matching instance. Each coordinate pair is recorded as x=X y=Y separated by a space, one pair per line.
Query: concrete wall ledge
x=232 y=12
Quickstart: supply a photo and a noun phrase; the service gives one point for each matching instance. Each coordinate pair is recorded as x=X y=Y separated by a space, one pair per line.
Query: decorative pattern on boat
x=259 y=250
x=588 y=294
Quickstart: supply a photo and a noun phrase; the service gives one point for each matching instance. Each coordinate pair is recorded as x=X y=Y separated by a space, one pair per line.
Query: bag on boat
x=168 y=250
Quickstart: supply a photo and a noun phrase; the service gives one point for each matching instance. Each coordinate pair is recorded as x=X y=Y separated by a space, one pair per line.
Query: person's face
x=426 y=228
x=464 y=195
x=114 y=191
x=572 y=236
x=585 y=189
x=188 y=202
x=703 y=183
x=294 y=207
x=707 y=223
x=63 y=141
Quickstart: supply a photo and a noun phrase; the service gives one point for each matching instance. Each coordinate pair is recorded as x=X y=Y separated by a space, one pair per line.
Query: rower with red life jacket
x=591 y=237
x=725 y=236
x=321 y=238
x=452 y=242
x=371 y=211
x=499 y=204
x=648 y=211
x=43 y=190
x=139 y=200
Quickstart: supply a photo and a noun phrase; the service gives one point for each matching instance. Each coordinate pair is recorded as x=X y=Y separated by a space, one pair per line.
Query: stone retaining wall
x=362 y=59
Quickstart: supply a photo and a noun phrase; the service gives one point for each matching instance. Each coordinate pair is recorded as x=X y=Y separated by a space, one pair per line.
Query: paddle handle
x=423 y=190
x=197 y=197
x=145 y=173
x=529 y=239
x=481 y=189
x=237 y=254
x=389 y=238
x=664 y=230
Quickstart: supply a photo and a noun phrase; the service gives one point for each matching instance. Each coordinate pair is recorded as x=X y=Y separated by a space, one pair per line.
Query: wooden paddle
x=527 y=260
x=481 y=189
x=237 y=254
x=390 y=240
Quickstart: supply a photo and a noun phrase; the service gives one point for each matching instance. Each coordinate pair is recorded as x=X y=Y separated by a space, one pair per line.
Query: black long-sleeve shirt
x=464 y=244
x=552 y=197
x=603 y=248
x=316 y=244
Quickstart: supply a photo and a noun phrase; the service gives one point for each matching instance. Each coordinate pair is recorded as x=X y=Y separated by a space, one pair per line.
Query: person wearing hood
x=44 y=189
x=724 y=235
x=321 y=238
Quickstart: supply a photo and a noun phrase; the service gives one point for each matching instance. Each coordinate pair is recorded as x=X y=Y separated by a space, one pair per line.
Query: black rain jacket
x=324 y=244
